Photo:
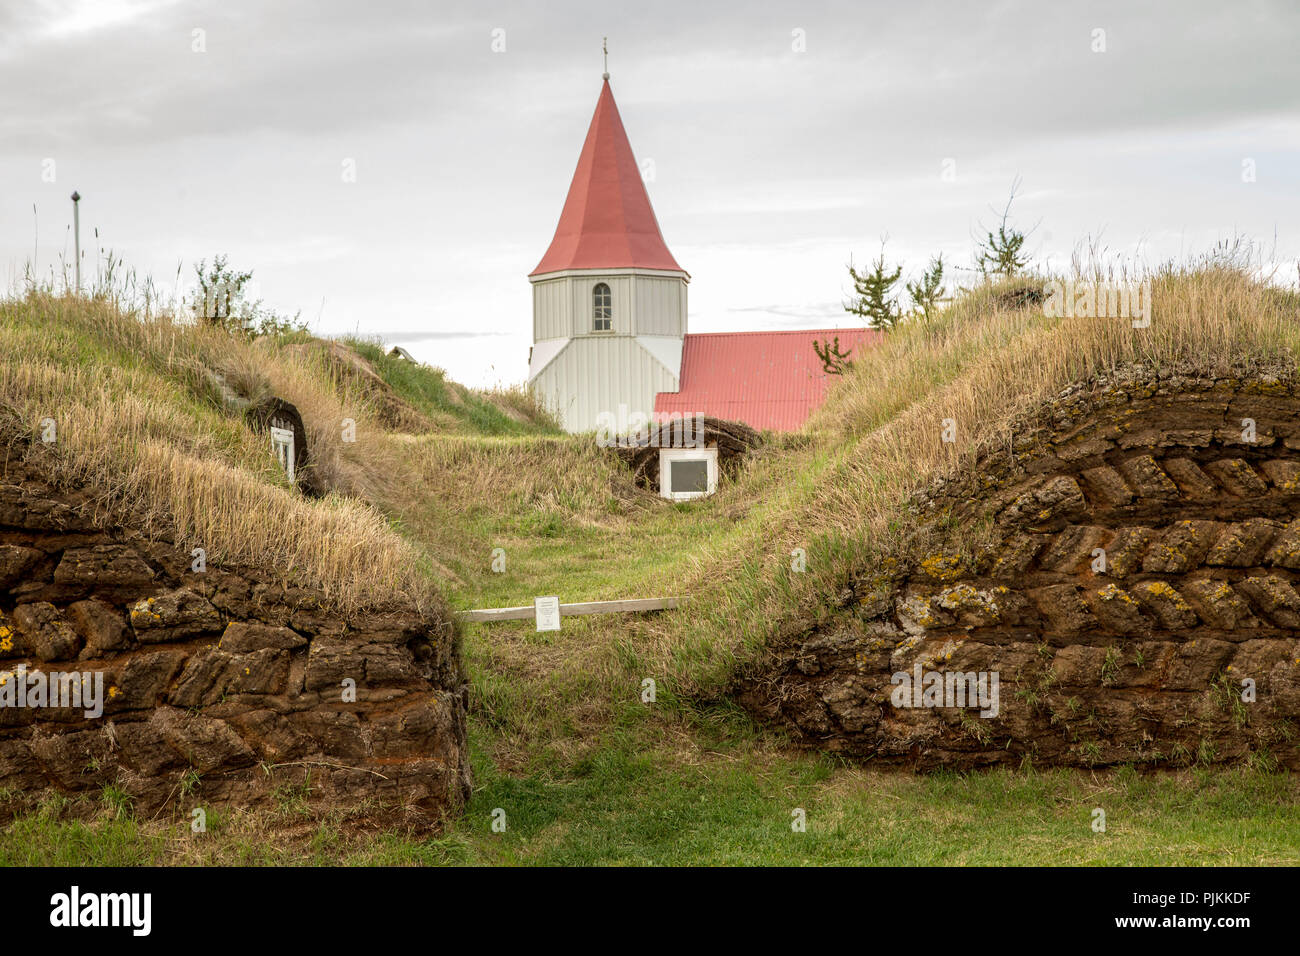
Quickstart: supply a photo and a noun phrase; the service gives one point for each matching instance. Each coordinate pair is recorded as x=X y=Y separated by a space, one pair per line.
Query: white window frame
x=282 y=446
x=606 y=307
x=667 y=455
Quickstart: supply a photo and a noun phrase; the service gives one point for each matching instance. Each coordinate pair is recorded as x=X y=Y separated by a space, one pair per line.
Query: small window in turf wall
x=282 y=445
x=686 y=473
x=282 y=423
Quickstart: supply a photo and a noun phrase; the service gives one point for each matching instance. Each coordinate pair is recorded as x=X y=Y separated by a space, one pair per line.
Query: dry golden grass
x=1211 y=322
x=138 y=419
x=522 y=404
x=565 y=473
x=876 y=443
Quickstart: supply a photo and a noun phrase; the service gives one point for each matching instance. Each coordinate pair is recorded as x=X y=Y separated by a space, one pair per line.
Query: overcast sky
x=784 y=138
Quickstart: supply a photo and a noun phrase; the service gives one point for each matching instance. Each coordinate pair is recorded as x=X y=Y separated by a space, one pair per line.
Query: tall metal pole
x=76 y=235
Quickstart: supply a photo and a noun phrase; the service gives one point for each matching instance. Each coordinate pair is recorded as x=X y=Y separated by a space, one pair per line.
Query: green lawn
x=719 y=801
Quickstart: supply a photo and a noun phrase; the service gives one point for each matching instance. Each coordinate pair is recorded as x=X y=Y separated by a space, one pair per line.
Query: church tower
x=609 y=299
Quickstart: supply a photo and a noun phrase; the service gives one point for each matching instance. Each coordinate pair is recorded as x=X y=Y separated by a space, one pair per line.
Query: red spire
x=607 y=222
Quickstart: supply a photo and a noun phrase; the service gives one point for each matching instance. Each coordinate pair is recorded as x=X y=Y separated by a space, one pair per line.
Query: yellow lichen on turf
x=1112 y=593
x=944 y=567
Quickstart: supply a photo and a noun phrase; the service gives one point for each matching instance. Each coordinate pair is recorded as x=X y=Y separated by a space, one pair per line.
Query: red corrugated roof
x=607 y=222
x=765 y=379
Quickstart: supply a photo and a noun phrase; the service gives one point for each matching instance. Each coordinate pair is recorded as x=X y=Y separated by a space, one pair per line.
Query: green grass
x=427 y=388
x=38 y=841
x=732 y=804
x=630 y=807
x=549 y=554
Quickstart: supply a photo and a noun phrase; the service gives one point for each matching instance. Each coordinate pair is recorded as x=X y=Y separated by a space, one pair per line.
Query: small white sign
x=547 y=610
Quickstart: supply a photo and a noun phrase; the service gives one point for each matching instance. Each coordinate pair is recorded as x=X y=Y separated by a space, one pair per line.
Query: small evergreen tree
x=874 y=291
x=1000 y=253
x=927 y=293
x=834 y=361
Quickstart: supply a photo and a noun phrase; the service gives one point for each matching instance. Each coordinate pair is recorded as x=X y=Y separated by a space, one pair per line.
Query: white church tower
x=609 y=299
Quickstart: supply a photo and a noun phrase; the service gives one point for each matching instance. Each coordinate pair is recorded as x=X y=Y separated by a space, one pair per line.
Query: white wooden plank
x=528 y=612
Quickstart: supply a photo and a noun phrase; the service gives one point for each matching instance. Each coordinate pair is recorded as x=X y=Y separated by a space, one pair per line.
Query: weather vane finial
x=604 y=46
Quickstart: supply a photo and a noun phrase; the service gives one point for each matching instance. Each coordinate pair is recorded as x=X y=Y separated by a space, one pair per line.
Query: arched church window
x=602 y=308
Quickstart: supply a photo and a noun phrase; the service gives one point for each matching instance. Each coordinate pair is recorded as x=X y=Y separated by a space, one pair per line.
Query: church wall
x=551 y=317
x=660 y=306
x=643 y=305
x=597 y=374
x=620 y=288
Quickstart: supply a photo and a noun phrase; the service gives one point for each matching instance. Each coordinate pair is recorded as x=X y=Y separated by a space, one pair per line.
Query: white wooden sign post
x=547 y=610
